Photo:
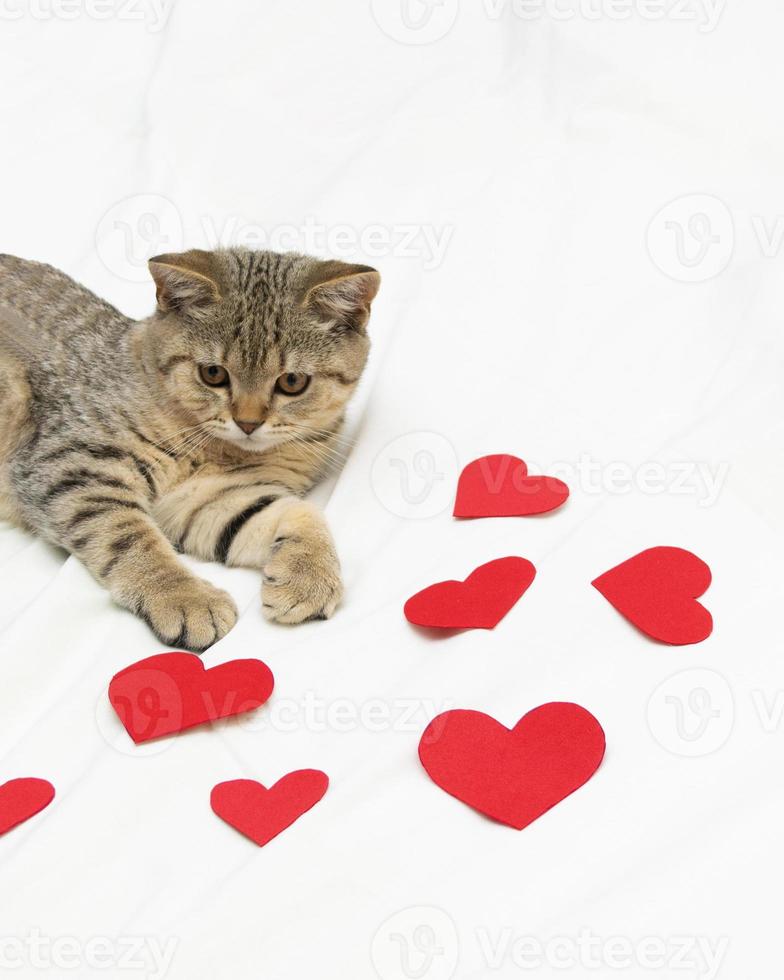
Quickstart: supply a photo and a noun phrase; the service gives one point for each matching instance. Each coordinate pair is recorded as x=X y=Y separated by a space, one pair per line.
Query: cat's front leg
x=302 y=574
x=259 y=525
x=118 y=542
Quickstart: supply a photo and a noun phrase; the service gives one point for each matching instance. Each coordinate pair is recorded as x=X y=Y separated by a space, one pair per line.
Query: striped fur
x=114 y=447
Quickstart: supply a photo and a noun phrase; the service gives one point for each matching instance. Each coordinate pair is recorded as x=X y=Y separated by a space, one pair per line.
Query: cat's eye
x=214 y=375
x=292 y=384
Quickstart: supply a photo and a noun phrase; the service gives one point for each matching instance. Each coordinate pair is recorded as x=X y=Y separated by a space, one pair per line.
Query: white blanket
x=508 y=178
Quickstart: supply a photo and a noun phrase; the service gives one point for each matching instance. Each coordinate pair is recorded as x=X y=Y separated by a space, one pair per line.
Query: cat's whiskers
x=320 y=450
x=312 y=430
x=181 y=433
x=317 y=454
x=318 y=463
x=337 y=436
x=189 y=440
x=193 y=444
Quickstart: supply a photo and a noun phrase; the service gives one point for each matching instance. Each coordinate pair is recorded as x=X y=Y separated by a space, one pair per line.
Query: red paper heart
x=499 y=486
x=480 y=602
x=262 y=813
x=657 y=591
x=513 y=775
x=21 y=799
x=170 y=692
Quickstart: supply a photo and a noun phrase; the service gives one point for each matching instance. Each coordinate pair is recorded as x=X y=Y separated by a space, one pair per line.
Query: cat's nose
x=249 y=425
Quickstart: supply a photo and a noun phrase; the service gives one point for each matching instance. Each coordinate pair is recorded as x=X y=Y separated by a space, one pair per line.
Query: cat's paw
x=190 y=614
x=302 y=577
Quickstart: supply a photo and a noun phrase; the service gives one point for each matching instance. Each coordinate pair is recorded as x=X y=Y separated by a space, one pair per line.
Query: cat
x=196 y=430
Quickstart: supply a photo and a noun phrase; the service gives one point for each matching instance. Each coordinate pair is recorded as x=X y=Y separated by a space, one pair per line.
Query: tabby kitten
x=196 y=430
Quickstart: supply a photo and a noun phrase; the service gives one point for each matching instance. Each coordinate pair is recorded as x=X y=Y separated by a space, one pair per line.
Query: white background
x=605 y=302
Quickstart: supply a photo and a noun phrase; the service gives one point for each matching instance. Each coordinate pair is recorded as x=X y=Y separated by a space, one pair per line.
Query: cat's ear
x=341 y=293
x=185 y=281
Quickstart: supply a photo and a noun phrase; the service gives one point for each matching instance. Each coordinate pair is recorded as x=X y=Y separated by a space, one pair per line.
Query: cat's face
x=259 y=348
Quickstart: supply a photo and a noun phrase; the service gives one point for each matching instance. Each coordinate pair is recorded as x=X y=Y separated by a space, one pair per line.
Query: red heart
x=499 y=486
x=480 y=602
x=21 y=799
x=657 y=591
x=173 y=691
x=513 y=775
x=262 y=813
